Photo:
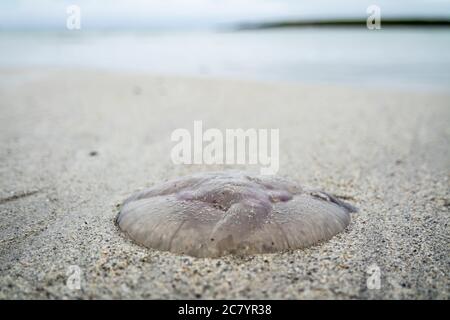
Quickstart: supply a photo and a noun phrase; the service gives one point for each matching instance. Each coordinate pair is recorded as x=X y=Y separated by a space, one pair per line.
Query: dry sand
x=75 y=144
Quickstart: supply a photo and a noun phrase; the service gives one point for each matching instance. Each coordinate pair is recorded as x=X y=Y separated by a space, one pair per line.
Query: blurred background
x=272 y=40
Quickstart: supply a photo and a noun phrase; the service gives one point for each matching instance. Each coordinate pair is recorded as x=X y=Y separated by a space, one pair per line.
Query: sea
x=408 y=57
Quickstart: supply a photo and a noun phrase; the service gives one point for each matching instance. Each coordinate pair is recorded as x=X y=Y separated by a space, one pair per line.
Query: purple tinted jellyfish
x=216 y=213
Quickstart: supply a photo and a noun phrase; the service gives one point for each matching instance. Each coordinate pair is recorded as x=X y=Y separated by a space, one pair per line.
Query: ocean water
x=401 y=57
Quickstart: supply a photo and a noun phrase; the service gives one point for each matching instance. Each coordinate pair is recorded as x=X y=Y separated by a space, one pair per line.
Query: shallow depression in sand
x=217 y=213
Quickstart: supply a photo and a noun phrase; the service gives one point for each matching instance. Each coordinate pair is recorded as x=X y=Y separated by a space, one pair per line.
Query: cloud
x=140 y=13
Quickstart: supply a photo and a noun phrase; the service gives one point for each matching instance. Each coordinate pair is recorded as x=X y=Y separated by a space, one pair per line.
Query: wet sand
x=75 y=144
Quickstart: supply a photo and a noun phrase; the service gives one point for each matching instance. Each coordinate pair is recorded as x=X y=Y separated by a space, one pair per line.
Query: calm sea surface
x=389 y=57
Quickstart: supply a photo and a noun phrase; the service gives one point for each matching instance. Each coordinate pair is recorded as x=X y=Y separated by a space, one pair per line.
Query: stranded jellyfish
x=217 y=213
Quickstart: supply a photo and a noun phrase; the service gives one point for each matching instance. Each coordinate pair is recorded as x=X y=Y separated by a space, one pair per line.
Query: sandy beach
x=75 y=144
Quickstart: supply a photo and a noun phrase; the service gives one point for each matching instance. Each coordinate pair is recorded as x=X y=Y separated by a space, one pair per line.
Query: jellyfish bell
x=231 y=212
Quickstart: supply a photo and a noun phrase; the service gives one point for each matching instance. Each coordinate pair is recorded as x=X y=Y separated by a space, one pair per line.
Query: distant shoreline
x=410 y=22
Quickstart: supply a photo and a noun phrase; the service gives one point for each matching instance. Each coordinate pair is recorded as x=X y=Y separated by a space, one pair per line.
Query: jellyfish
x=211 y=214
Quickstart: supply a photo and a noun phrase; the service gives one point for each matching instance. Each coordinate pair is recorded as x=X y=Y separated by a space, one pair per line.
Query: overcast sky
x=185 y=13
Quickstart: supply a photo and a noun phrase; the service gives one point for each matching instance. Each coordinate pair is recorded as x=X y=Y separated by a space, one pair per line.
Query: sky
x=104 y=14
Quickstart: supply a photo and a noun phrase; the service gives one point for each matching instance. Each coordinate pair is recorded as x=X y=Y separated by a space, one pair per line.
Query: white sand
x=386 y=151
